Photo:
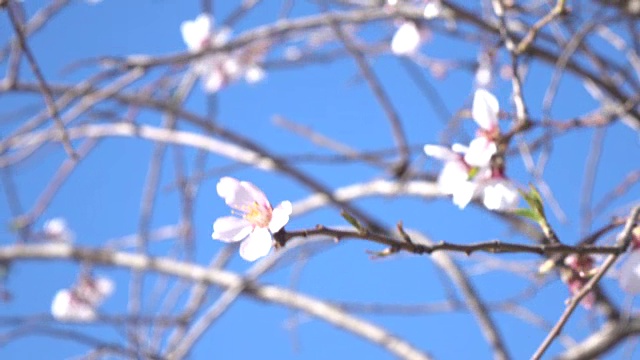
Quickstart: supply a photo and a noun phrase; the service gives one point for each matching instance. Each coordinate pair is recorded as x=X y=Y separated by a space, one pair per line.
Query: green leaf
x=528 y=213
x=351 y=220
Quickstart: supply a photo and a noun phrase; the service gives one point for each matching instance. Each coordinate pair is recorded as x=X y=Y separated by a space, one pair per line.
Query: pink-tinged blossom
x=485 y=113
x=407 y=39
x=56 y=229
x=577 y=274
x=257 y=220
x=575 y=285
x=80 y=302
x=465 y=182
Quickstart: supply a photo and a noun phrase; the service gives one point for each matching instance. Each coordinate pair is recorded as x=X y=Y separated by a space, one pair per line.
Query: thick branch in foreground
x=197 y=273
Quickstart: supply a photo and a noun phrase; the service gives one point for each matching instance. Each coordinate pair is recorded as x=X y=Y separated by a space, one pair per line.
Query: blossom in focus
x=485 y=113
x=256 y=220
x=80 y=302
x=407 y=39
x=56 y=229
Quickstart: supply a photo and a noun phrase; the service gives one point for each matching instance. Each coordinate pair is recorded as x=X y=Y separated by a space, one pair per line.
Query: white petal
x=57 y=229
x=485 y=109
x=630 y=273
x=254 y=74
x=213 y=81
x=500 y=195
x=459 y=148
x=280 y=216
x=440 y=152
x=453 y=174
x=65 y=308
x=257 y=245
x=240 y=194
x=61 y=303
x=104 y=286
x=194 y=33
x=464 y=193
x=231 y=229
x=480 y=152
x=406 y=40
x=432 y=10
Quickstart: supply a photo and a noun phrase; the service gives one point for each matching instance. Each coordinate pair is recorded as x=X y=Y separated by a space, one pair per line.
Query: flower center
x=257 y=215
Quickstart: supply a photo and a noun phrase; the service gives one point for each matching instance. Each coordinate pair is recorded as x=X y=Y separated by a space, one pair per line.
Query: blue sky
x=101 y=200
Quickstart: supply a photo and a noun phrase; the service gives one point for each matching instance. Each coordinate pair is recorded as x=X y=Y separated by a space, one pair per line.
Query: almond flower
x=80 y=302
x=580 y=268
x=256 y=220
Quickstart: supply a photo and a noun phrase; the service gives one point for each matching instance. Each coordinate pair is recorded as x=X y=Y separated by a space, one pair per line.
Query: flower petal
x=464 y=193
x=629 y=278
x=240 y=194
x=453 y=174
x=280 y=216
x=65 y=308
x=485 y=109
x=432 y=10
x=406 y=40
x=254 y=74
x=500 y=195
x=440 y=152
x=257 y=245
x=231 y=229
x=195 y=33
x=480 y=152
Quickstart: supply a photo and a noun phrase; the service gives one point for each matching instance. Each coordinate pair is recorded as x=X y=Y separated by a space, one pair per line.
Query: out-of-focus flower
x=219 y=69
x=56 y=229
x=80 y=302
x=257 y=221
x=454 y=176
x=407 y=39
x=576 y=275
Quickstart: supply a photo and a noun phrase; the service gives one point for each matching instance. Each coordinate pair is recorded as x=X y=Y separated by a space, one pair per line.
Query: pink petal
x=280 y=216
x=406 y=40
x=231 y=229
x=629 y=278
x=257 y=245
x=240 y=194
x=480 y=152
x=485 y=109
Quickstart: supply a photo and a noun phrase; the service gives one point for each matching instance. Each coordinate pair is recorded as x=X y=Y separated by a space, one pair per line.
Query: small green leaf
x=351 y=220
x=528 y=213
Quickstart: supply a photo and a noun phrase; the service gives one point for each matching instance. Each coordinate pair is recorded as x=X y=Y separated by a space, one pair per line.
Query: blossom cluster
x=468 y=171
x=80 y=302
x=219 y=69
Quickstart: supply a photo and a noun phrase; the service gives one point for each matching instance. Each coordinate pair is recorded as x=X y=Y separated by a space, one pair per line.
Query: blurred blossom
x=56 y=229
x=629 y=276
x=219 y=69
x=432 y=9
x=80 y=302
x=257 y=220
x=407 y=39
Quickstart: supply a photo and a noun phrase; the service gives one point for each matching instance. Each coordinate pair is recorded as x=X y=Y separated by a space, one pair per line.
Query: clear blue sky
x=101 y=200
